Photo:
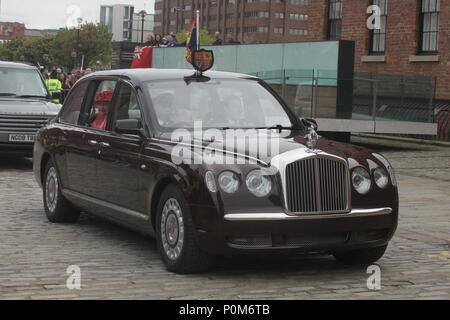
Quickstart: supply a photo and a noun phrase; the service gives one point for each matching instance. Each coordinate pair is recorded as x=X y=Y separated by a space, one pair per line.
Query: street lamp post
x=80 y=21
x=142 y=13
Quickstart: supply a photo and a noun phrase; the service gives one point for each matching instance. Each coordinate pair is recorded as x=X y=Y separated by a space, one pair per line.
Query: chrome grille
x=317 y=185
x=18 y=124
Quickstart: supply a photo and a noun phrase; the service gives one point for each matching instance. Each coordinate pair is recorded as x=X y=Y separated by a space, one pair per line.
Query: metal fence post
x=432 y=96
x=375 y=94
x=314 y=94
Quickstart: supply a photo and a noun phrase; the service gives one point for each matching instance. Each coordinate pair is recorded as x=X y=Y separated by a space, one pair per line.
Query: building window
x=263 y=29
x=300 y=2
x=429 y=30
x=334 y=19
x=279 y=15
x=250 y=29
x=298 y=32
x=297 y=16
x=378 y=36
x=278 y=30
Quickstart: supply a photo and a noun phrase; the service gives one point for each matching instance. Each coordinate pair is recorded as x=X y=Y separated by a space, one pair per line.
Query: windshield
x=21 y=82
x=217 y=103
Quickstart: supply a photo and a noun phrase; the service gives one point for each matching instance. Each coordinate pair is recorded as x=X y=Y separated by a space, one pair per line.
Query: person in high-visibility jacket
x=54 y=85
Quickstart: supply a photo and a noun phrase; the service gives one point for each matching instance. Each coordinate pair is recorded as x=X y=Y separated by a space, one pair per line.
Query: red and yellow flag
x=191 y=41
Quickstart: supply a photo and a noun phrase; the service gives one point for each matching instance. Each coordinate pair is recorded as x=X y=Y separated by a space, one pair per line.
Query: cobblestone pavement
x=116 y=263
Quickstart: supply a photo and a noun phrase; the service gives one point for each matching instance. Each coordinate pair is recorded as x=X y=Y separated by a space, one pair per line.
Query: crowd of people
x=59 y=81
x=171 y=40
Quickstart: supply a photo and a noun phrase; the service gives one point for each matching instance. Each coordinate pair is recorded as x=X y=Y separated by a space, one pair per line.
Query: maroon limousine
x=211 y=164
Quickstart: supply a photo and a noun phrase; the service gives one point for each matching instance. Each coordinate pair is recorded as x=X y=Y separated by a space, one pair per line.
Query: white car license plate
x=22 y=137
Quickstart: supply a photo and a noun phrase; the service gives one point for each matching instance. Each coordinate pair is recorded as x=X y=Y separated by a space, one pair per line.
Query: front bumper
x=275 y=232
x=16 y=149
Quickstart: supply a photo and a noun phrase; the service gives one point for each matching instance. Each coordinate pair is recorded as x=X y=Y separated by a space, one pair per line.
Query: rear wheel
x=57 y=208
x=176 y=235
x=361 y=256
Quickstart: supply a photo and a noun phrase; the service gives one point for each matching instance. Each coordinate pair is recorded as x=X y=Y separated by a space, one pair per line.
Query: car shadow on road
x=14 y=163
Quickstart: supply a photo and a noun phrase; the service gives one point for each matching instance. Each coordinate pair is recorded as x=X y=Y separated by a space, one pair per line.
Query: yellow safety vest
x=54 y=85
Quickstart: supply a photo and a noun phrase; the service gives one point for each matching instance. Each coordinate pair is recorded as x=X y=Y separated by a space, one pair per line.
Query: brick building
x=10 y=30
x=414 y=37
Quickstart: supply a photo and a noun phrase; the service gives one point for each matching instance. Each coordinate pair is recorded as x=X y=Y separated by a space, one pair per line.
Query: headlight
x=210 y=181
x=388 y=167
x=381 y=178
x=258 y=184
x=228 y=182
x=361 y=180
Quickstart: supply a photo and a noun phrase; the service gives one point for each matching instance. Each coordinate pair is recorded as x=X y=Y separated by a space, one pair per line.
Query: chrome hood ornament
x=311 y=140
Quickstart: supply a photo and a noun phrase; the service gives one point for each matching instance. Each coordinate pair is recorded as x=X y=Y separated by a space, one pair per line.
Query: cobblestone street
x=119 y=264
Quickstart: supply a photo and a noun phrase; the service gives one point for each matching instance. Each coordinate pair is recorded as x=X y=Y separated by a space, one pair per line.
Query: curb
x=403 y=139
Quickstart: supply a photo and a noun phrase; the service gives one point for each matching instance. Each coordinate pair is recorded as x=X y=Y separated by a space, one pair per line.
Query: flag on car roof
x=191 y=41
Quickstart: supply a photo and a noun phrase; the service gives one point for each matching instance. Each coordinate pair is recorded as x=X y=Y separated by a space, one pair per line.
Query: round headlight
x=361 y=180
x=210 y=181
x=381 y=178
x=228 y=182
x=258 y=184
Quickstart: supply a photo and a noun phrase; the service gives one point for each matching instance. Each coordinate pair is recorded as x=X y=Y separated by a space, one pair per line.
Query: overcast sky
x=54 y=14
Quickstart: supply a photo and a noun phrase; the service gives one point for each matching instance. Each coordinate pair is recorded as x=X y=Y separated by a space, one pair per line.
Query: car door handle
x=104 y=144
x=93 y=142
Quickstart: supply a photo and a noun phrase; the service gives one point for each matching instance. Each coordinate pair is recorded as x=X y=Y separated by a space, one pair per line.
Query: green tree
x=205 y=38
x=94 y=43
x=12 y=50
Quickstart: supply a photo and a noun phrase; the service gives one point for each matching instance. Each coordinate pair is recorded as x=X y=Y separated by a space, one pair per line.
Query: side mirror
x=129 y=126
x=309 y=122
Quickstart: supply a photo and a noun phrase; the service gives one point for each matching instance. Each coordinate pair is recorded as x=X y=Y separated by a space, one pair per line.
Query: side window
x=127 y=105
x=71 y=110
x=99 y=108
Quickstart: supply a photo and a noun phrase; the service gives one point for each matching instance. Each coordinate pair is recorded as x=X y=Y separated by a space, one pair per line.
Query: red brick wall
x=401 y=40
x=18 y=30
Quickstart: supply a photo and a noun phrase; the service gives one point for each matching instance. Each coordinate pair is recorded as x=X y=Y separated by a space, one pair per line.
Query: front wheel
x=361 y=256
x=176 y=235
x=57 y=208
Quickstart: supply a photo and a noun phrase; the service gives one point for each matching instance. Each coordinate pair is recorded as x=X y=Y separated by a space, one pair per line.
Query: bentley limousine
x=170 y=154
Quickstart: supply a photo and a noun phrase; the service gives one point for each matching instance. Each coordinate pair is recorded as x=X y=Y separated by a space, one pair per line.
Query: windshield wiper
x=278 y=127
x=4 y=94
x=31 y=96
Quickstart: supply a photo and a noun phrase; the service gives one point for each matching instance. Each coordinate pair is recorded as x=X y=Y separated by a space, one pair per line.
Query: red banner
x=143 y=57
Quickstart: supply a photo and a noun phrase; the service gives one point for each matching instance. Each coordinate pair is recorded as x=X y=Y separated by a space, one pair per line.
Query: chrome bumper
x=281 y=216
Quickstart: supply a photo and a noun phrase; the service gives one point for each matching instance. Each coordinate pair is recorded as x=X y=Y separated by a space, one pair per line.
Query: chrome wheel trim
x=51 y=189
x=172 y=229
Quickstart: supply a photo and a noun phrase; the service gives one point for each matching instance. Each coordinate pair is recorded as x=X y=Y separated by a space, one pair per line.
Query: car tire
x=57 y=208
x=176 y=238
x=361 y=256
